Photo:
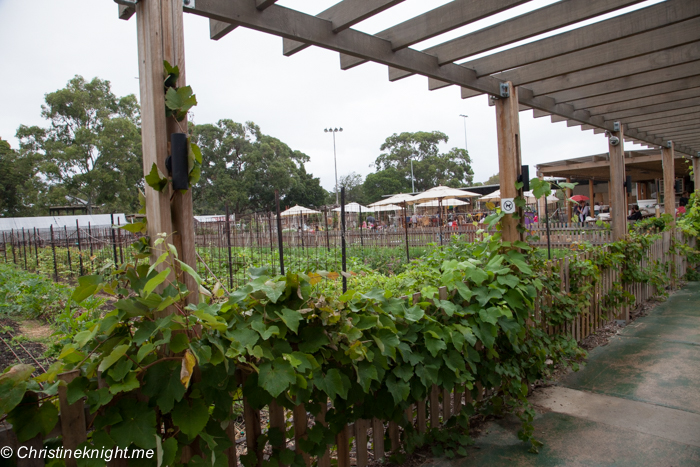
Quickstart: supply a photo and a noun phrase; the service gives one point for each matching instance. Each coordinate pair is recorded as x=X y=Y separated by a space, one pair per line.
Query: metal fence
x=226 y=250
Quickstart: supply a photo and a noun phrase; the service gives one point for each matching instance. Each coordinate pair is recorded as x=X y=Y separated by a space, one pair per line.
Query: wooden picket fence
x=363 y=440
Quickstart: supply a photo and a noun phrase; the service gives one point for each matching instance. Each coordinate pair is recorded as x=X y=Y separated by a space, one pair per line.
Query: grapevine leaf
x=191 y=418
x=112 y=358
x=291 y=318
x=276 y=376
x=155 y=179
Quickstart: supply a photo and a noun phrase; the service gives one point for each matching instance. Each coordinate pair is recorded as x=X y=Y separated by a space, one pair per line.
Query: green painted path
x=636 y=402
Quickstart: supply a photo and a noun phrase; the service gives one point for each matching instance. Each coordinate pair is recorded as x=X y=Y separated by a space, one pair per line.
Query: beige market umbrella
x=447 y=202
x=396 y=199
x=296 y=210
x=443 y=192
x=355 y=207
x=440 y=193
x=388 y=207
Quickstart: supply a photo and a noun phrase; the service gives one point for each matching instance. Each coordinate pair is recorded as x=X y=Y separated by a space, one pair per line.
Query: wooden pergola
x=635 y=77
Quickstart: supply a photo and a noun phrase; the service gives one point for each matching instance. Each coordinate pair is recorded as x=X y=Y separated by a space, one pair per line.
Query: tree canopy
x=494 y=179
x=20 y=188
x=430 y=167
x=242 y=167
x=92 y=148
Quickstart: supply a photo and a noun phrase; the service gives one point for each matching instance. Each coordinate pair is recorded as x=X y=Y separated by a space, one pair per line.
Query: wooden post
x=591 y=196
x=509 y=165
x=541 y=203
x=667 y=161
x=696 y=172
x=73 y=425
x=160 y=37
x=568 y=195
x=618 y=208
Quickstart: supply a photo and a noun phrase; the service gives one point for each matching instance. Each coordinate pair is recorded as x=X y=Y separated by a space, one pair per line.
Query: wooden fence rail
x=354 y=445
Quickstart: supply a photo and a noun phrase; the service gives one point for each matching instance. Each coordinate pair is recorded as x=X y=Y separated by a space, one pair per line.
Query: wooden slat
x=73 y=428
x=361 y=427
x=342 y=440
x=276 y=413
x=300 y=427
x=394 y=436
x=325 y=460
x=446 y=405
x=420 y=415
x=378 y=438
x=434 y=406
x=457 y=399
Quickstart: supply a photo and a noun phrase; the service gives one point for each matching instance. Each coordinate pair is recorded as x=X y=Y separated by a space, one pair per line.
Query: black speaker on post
x=525 y=177
x=178 y=161
x=628 y=184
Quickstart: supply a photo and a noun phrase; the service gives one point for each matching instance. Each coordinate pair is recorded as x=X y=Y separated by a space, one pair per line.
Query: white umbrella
x=400 y=198
x=296 y=210
x=447 y=202
x=529 y=197
x=443 y=192
x=389 y=207
x=494 y=196
x=354 y=207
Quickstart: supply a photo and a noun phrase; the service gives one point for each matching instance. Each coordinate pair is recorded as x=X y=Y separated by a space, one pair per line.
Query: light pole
x=335 y=160
x=465 y=131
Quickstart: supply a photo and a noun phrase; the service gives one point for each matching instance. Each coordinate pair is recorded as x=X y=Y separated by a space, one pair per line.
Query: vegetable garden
x=397 y=361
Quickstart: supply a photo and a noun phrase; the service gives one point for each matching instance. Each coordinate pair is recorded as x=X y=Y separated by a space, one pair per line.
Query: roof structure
x=639 y=68
x=45 y=222
x=640 y=165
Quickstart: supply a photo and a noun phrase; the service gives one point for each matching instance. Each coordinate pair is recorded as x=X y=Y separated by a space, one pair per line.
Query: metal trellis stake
x=24 y=246
x=114 y=240
x=36 y=250
x=228 y=243
x=70 y=265
x=342 y=236
x=53 y=249
x=80 y=247
x=279 y=231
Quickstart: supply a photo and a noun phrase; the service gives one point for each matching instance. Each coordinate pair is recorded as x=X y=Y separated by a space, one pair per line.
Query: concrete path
x=636 y=402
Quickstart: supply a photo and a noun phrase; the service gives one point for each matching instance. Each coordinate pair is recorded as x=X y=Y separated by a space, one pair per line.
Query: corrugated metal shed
x=29 y=223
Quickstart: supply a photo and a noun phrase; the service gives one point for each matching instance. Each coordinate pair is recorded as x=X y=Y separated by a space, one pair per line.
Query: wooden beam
x=342 y=15
x=509 y=159
x=696 y=172
x=650 y=109
x=680 y=120
x=452 y=15
x=295 y=25
x=218 y=29
x=639 y=81
x=262 y=4
x=549 y=169
x=646 y=43
x=645 y=101
x=658 y=60
x=521 y=27
x=685 y=132
x=126 y=12
x=661 y=116
x=618 y=203
x=638 y=93
x=669 y=181
x=656 y=16
x=160 y=37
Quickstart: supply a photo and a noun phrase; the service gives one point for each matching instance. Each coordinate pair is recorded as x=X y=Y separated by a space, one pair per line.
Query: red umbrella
x=579 y=198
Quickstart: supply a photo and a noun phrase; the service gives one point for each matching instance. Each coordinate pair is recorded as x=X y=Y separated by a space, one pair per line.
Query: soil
x=17 y=344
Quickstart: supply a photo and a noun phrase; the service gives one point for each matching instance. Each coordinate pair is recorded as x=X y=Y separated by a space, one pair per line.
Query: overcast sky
x=245 y=77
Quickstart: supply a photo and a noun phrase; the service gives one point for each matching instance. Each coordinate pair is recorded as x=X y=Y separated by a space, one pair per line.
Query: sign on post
x=508 y=205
